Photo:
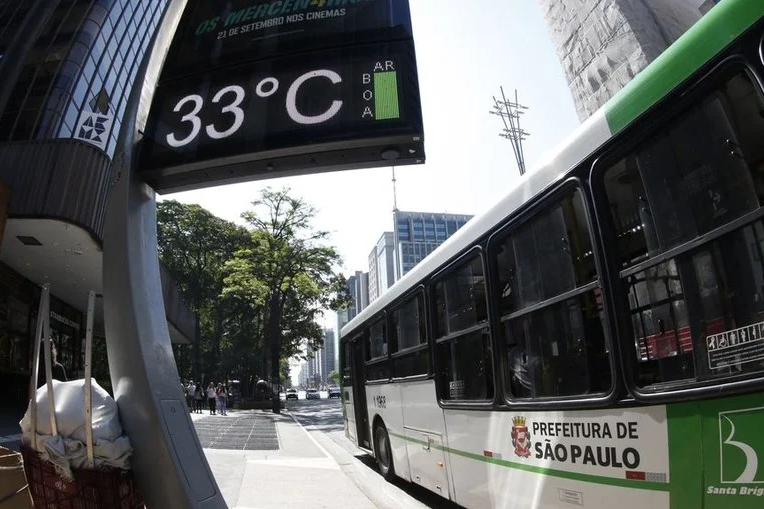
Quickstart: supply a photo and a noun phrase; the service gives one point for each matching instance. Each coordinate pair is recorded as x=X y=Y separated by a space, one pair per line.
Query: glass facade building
x=67 y=68
x=74 y=79
x=417 y=234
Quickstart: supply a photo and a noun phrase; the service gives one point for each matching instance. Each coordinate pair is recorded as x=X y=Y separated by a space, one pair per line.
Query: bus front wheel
x=383 y=452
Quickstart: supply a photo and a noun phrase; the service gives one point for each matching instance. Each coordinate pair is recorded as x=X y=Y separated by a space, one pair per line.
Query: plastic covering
x=67 y=449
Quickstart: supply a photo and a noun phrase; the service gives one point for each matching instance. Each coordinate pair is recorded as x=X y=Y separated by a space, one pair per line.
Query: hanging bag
x=88 y=488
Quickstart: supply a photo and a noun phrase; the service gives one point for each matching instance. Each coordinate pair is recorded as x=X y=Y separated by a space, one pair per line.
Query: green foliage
x=334 y=376
x=276 y=274
x=194 y=245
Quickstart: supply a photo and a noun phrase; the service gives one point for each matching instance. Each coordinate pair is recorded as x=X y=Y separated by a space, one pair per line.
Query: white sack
x=70 y=412
x=110 y=447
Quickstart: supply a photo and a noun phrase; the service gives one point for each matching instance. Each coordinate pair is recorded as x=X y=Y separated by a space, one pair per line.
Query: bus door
x=348 y=393
x=359 y=393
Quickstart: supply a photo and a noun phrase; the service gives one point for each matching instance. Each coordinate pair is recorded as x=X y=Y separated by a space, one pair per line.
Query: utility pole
x=395 y=194
x=509 y=112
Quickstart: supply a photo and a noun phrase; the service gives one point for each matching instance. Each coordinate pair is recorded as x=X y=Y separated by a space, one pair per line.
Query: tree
x=193 y=246
x=334 y=376
x=287 y=272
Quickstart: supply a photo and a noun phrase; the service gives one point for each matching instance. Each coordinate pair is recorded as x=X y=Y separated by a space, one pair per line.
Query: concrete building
x=358 y=287
x=382 y=265
x=603 y=44
x=66 y=70
x=328 y=355
x=417 y=234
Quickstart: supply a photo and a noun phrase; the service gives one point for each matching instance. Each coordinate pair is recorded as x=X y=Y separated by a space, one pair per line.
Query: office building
x=343 y=317
x=603 y=44
x=66 y=71
x=358 y=287
x=417 y=234
x=328 y=358
x=382 y=265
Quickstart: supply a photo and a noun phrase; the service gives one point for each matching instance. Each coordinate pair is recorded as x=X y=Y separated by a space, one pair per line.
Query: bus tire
x=383 y=452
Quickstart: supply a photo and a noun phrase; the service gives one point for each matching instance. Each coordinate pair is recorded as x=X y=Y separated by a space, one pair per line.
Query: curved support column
x=168 y=461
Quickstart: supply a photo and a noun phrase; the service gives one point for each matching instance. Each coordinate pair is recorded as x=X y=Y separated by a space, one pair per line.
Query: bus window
x=551 y=311
x=347 y=348
x=463 y=347
x=377 y=340
x=377 y=366
x=698 y=315
x=408 y=336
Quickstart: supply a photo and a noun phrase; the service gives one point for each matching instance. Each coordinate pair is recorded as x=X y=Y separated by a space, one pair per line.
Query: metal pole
x=89 y=379
x=168 y=462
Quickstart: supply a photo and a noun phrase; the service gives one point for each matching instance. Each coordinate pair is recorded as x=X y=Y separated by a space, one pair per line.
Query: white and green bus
x=597 y=338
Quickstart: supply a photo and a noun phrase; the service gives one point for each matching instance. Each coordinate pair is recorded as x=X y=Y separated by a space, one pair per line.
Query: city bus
x=596 y=339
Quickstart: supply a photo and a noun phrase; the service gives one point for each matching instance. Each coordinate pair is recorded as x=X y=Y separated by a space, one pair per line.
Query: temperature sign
x=349 y=108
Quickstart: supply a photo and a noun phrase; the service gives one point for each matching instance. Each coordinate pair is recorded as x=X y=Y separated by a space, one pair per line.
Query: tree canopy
x=258 y=289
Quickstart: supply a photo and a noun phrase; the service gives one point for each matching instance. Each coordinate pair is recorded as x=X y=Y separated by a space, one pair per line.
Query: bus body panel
x=698 y=454
x=424 y=434
x=552 y=458
x=384 y=402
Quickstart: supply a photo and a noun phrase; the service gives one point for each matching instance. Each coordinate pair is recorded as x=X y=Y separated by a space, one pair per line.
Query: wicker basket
x=91 y=488
x=110 y=488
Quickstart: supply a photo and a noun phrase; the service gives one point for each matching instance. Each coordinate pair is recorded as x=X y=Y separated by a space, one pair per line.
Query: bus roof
x=710 y=35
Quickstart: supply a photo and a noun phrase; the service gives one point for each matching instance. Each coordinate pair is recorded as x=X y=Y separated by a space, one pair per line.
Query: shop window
x=700 y=314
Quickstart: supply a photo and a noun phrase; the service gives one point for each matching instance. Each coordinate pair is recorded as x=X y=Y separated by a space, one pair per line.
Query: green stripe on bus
x=575 y=476
x=717 y=29
x=685 y=455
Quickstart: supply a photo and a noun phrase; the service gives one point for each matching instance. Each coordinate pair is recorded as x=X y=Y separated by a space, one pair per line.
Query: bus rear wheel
x=383 y=452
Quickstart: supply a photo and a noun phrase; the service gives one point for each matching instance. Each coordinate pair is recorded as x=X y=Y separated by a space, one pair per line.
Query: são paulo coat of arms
x=521 y=439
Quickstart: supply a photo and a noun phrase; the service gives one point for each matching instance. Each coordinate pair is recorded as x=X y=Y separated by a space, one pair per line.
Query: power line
x=509 y=112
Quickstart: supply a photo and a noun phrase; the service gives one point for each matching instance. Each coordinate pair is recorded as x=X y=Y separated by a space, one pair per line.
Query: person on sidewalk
x=190 y=389
x=221 y=398
x=59 y=373
x=211 y=397
x=198 y=397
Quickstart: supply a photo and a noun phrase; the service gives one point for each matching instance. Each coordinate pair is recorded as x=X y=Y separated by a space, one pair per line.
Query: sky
x=465 y=52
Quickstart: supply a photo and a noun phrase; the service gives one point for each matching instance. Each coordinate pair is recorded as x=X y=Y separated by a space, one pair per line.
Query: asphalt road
x=325 y=416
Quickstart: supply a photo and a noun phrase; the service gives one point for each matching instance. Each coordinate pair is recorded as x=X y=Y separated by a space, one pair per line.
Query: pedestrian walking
x=221 y=399
x=211 y=397
x=190 y=389
x=198 y=398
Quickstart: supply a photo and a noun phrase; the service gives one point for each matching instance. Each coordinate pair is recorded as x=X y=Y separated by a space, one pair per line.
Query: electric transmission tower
x=510 y=112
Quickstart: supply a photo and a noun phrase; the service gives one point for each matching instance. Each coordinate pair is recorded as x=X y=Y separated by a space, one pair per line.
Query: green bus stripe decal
x=576 y=476
x=717 y=29
x=685 y=454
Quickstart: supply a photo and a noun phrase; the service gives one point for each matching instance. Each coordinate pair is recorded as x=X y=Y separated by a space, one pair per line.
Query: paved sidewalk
x=266 y=461
x=299 y=474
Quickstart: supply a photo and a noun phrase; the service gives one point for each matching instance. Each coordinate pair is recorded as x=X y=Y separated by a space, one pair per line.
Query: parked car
x=312 y=394
x=334 y=392
x=291 y=394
